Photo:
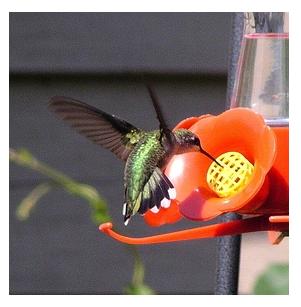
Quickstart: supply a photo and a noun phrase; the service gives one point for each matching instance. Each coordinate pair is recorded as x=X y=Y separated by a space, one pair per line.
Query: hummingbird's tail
x=157 y=192
x=126 y=214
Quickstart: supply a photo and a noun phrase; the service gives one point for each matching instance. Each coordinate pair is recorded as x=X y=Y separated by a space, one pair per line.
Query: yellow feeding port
x=232 y=177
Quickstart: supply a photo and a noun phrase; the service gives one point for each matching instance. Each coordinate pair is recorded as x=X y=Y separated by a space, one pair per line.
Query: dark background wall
x=99 y=58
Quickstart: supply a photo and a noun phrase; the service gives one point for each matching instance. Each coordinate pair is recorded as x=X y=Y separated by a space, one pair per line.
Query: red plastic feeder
x=238 y=130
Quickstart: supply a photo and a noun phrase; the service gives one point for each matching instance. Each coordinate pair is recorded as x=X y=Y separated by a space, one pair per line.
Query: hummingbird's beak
x=209 y=156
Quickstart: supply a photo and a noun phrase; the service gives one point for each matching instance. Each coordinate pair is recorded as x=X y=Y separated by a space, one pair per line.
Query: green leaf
x=25 y=155
x=29 y=202
x=141 y=289
x=275 y=280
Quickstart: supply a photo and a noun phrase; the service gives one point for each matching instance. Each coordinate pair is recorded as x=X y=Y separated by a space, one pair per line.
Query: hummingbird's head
x=187 y=141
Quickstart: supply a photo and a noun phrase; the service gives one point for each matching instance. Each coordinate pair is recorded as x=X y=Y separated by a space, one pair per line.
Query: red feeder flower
x=240 y=131
x=236 y=130
x=164 y=216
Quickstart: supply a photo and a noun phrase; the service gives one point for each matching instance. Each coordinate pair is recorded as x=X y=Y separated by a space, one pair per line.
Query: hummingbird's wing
x=109 y=131
x=163 y=125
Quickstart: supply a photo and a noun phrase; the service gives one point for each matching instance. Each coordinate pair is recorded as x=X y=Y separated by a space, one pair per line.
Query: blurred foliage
x=29 y=202
x=99 y=208
x=137 y=285
x=274 y=280
x=56 y=179
x=141 y=289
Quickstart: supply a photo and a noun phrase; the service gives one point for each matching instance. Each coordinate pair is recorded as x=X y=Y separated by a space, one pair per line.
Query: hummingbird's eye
x=196 y=141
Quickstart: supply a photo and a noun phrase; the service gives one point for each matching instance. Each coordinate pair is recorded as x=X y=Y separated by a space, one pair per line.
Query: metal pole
x=228 y=248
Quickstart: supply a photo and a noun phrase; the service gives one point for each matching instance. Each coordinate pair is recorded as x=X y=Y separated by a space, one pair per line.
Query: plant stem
x=138 y=274
x=23 y=158
x=100 y=213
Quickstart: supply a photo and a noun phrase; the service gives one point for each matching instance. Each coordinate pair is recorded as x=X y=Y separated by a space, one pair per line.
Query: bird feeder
x=250 y=142
x=242 y=140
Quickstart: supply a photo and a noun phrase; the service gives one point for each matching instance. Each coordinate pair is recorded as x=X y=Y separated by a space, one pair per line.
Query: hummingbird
x=145 y=153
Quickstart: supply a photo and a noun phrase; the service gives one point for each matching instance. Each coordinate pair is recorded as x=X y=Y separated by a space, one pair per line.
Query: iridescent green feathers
x=146 y=185
x=158 y=191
